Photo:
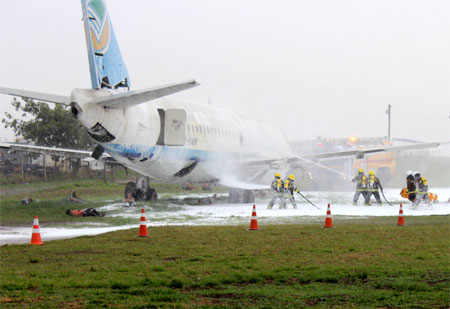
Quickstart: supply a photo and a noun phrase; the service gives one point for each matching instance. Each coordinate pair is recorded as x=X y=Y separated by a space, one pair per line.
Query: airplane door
x=175 y=127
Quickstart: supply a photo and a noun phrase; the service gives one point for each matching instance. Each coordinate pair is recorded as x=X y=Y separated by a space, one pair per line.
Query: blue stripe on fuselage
x=164 y=152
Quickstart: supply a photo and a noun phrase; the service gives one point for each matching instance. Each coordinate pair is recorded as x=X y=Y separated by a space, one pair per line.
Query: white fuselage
x=214 y=142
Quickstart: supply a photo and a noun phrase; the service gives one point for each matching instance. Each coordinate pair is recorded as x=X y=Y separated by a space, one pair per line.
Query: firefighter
x=373 y=185
x=410 y=186
x=289 y=189
x=422 y=189
x=361 y=186
x=277 y=191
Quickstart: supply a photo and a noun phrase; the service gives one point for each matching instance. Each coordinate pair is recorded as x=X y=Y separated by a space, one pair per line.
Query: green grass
x=362 y=263
x=50 y=201
x=90 y=189
x=366 y=262
x=53 y=190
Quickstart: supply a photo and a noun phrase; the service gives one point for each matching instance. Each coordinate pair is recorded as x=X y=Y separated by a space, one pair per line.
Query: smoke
x=235 y=183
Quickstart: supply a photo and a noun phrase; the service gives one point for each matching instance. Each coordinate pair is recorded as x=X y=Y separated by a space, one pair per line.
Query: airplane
x=172 y=140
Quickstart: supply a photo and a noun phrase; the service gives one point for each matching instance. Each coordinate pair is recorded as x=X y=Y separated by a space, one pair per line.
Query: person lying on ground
x=88 y=212
x=187 y=187
x=206 y=187
x=26 y=201
x=207 y=200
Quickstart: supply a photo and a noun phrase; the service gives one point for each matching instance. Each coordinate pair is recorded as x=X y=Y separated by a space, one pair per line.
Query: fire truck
x=383 y=163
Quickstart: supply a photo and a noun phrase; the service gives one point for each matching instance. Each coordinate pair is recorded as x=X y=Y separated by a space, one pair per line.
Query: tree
x=47 y=127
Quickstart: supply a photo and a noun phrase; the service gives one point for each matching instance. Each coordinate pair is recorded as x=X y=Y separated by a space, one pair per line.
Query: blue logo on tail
x=107 y=67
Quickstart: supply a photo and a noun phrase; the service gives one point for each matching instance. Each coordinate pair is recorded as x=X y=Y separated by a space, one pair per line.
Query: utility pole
x=388 y=112
x=45 y=168
x=23 y=175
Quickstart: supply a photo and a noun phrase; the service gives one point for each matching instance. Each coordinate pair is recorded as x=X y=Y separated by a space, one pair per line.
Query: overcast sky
x=318 y=67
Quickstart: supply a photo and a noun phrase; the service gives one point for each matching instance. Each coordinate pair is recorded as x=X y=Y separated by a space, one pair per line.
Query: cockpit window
x=100 y=134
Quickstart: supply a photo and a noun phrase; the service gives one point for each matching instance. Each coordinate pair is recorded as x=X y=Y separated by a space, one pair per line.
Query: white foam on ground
x=234 y=214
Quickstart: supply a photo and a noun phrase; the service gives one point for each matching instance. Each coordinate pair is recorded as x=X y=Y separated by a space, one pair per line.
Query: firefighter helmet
x=292 y=177
x=416 y=174
x=277 y=175
x=372 y=173
x=409 y=173
x=361 y=170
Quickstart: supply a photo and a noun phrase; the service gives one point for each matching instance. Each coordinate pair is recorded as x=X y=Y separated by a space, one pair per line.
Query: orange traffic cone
x=254 y=221
x=328 y=219
x=401 y=219
x=36 y=235
x=143 y=232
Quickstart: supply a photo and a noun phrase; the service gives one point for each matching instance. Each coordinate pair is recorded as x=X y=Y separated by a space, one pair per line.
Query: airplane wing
x=359 y=153
x=46 y=97
x=131 y=98
x=121 y=100
x=63 y=152
x=291 y=161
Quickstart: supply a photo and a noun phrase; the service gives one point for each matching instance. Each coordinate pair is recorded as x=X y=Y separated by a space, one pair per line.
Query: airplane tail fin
x=106 y=65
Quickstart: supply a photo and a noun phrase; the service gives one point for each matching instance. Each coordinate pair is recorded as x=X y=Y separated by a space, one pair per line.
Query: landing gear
x=141 y=191
x=241 y=196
